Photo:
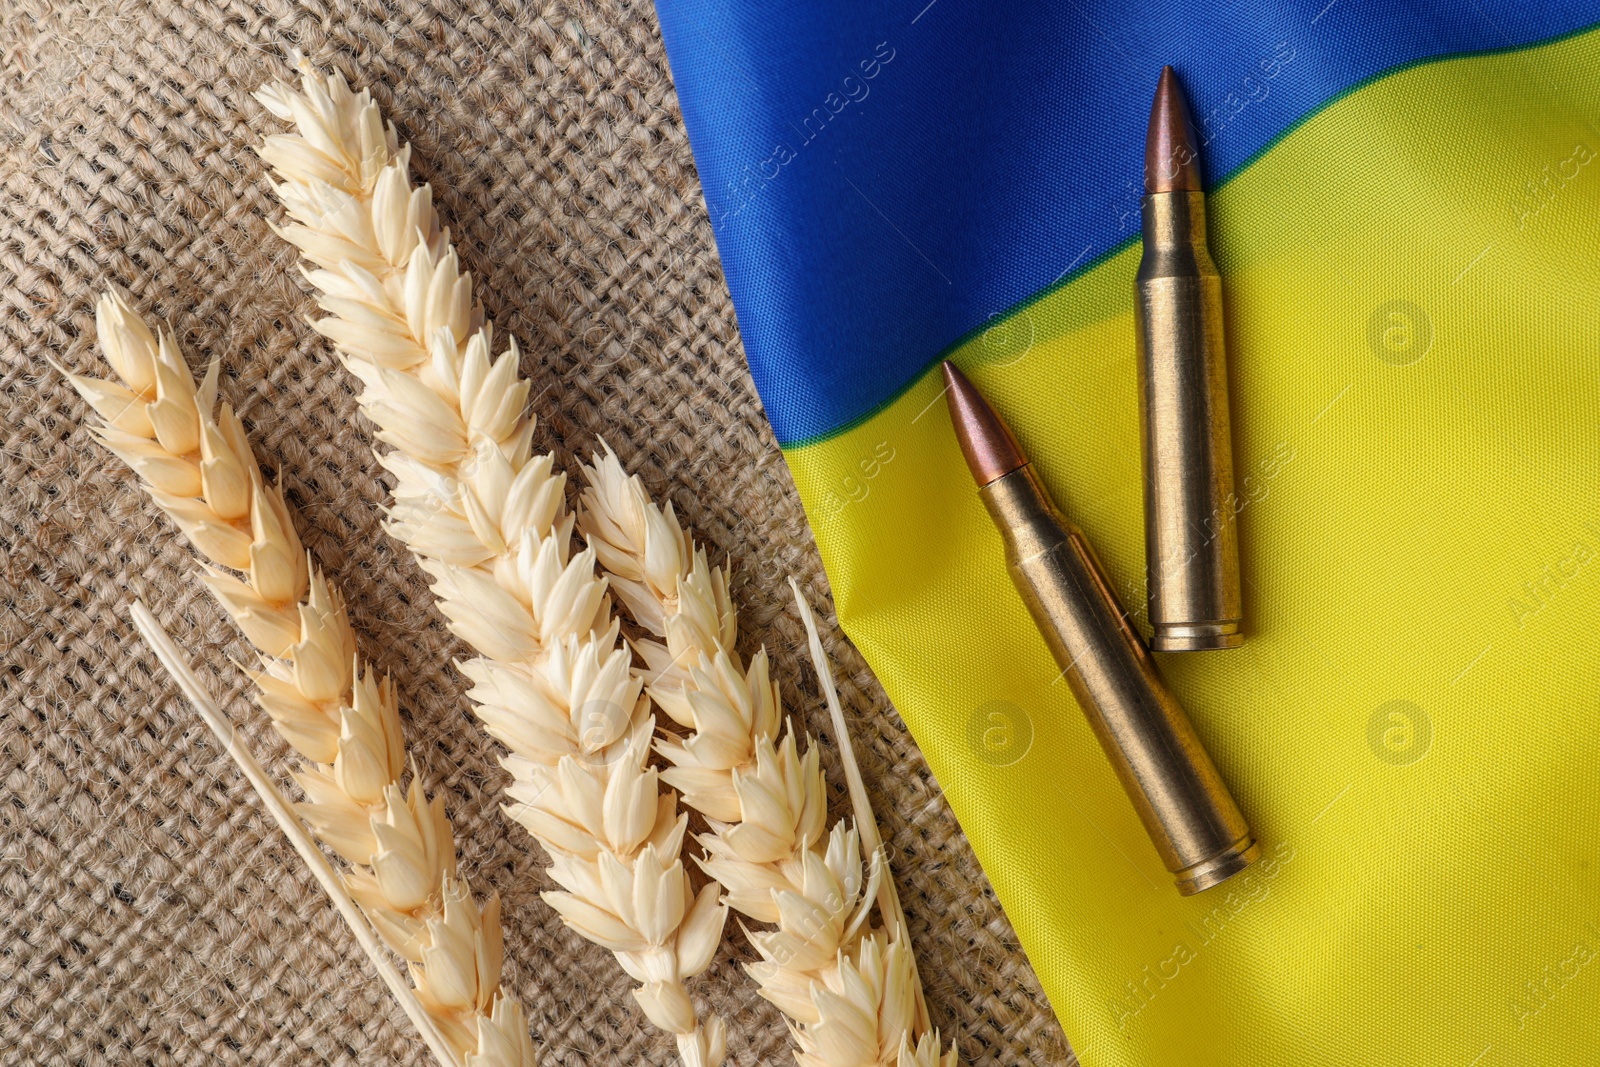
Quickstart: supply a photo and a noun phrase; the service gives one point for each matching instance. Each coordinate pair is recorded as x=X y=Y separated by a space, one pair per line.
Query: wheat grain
x=194 y=460
x=487 y=521
x=853 y=991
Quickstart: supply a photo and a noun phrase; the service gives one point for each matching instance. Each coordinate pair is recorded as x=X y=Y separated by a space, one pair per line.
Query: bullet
x=1191 y=533
x=1181 y=799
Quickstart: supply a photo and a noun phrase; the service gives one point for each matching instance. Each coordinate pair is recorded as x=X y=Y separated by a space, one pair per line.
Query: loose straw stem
x=866 y=822
x=167 y=652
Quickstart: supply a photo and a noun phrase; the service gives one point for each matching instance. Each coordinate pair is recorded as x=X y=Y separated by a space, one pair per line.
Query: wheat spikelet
x=487 y=520
x=852 y=991
x=194 y=460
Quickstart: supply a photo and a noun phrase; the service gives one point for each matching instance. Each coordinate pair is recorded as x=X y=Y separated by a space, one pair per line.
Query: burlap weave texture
x=149 y=910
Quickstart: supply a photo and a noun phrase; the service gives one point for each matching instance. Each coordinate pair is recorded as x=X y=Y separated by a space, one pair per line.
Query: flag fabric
x=1405 y=207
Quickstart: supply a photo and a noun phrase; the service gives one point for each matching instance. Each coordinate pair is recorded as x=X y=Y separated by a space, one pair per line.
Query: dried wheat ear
x=192 y=457
x=487 y=520
x=852 y=991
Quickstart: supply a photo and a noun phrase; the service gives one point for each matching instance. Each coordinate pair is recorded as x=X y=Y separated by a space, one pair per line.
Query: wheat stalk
x=282 y=812
x=487 y=520
x=194 y=460
x=852 y=991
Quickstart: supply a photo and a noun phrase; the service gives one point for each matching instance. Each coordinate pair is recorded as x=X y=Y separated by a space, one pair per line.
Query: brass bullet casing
x=1185 y=807
x=1191 y=529
x=1184 y=804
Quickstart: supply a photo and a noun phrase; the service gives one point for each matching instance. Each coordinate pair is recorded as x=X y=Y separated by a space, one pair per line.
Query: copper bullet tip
x=1171 y=157
x=986 y=441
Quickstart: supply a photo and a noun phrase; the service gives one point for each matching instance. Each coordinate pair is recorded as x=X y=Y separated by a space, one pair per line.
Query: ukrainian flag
x=1406 y=213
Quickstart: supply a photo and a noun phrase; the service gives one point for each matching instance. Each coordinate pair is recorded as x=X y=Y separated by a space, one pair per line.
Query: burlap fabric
x=149 y=911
